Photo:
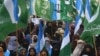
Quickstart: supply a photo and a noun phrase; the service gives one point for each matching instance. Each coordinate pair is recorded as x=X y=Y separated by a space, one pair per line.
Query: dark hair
x=20 y=54
x=25 y=43
x=90 y=53
x=3 y=46
x=88 y=46
x=33 y=50
x=44 y=50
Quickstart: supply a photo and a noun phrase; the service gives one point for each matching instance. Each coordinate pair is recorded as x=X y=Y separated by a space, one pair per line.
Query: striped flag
x=41 y=40
x=12 y=12
x=79 y=7
x=92 y=28
x=65 y=49
x=54 y=16
x=31 y=7
x=12 y=7
x=62 y=9
x=58 y=9
x=77 y=24
x=88 y=10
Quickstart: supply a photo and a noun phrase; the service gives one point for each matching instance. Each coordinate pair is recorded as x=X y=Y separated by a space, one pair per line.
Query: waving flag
x=63 y=8
x=66 y=9
x=65 y=49
x=92 y=28
x=54 y=16
x=41 y=40
x=77 y=24
x=12 y=7
x=57 y=9
x=31 y=6
x=88 y=10
x=79 y=7
x=12 y=12
x=44 y=9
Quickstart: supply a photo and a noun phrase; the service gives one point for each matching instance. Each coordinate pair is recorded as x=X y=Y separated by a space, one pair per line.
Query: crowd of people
x=24 y=41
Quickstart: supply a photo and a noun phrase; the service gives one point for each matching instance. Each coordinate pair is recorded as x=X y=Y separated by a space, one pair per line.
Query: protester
x=75 y=38
x=79 y=48
x=53 y=35
x=23 y=52
x=5 y=50
x=34 y=42
x=98 y=50
x=12 y=45
x=1 y=51
x=56 y=43
x=32 y=52
x=44 y=53
x=88 y=50
x=25 y=44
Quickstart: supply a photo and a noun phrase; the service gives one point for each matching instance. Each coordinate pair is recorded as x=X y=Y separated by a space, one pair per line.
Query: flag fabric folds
x=66 y=9
x=54 y=9
x=63 y=10
x=65 y=49
x=10 y=14
x=41 y=40
x=78 y=22
x=88 y=10
x=12 y=8
x=79 y=8
x=44 y=9
x=54 y=16
x=92 y=28
x=31 y=7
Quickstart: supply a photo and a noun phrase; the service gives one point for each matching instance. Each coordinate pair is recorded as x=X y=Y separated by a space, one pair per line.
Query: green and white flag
x=65 y=49
x=65 y=10
x=92 y=28
x=62 y=10
x=7 y=25
x=43 y=9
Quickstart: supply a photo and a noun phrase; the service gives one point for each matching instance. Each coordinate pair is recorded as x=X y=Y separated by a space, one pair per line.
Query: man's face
x=43 y=53
x=34 y=38
x=23 y=52
x=88 y=49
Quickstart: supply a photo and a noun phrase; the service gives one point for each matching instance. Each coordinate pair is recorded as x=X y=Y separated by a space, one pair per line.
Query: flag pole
x=29 y=23
x=95 y=45
x=94 y=38
x=17 y=36
x=17 y=31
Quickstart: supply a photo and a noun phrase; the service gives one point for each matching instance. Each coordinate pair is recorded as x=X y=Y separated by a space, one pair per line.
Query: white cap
x=80 y=41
